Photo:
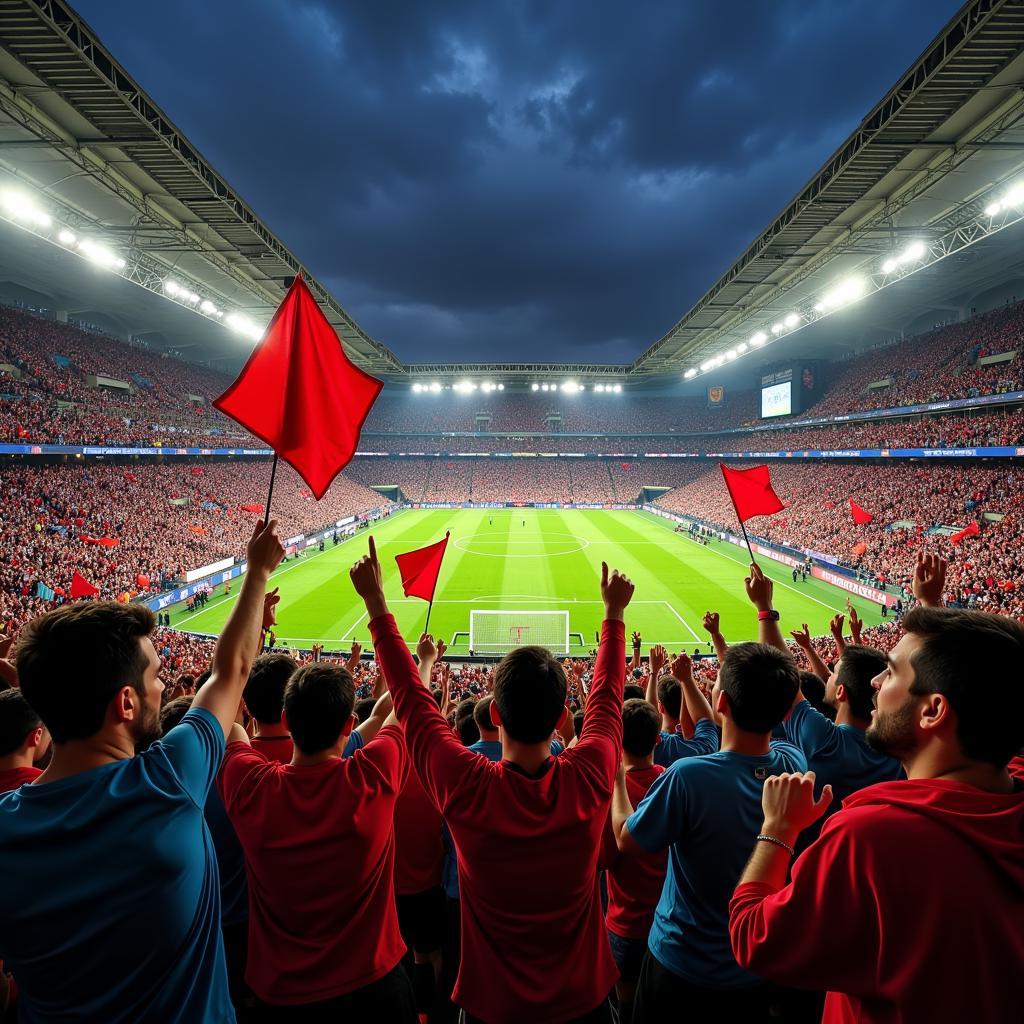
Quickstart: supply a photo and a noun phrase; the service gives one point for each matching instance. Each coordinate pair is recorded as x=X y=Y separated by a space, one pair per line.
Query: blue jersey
x=707 y=811
x=673 y=747
x=110 y=905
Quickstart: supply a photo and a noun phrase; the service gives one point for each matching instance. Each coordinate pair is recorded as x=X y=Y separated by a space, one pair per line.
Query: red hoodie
x=908 y=908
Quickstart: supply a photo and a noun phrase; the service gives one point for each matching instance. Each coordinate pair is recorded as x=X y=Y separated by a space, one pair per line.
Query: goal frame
x=498 y=647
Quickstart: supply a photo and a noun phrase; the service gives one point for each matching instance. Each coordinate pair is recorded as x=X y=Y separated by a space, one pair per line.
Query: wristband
x=778 y=842
x=769 y=613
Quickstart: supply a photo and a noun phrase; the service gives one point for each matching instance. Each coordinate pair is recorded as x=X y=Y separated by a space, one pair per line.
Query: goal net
x=493 y=632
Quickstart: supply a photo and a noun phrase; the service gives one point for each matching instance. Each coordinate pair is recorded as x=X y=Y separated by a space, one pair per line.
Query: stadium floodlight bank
x=498 y=632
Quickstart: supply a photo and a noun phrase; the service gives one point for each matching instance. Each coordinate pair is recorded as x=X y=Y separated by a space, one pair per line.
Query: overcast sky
x=536 y=180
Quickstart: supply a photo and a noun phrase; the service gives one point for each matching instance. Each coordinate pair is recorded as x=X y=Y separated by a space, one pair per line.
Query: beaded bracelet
x=778 y=842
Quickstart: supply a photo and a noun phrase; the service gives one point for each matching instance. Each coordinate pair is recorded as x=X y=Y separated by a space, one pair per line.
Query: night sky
x=492 y=180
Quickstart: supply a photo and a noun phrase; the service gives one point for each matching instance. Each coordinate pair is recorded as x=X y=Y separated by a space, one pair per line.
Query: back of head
x=857 y=667
x=482 y=714
x=72 y=661
x=813 y=688
x=364 y=708
x=17 y=720
x=174 y=711
x=760 y=683
x=631 y=691
x=670 y=696
x=973 y=659
x=466 y=708
x=641 y=726
x=529 y=690
x=318 y=702
x=264 y=690
x=577 y=723
x=467 y=729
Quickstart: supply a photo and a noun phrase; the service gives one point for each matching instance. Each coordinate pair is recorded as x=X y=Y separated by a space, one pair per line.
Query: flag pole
x=270 y=492
x=426 y=625
x=743 y=527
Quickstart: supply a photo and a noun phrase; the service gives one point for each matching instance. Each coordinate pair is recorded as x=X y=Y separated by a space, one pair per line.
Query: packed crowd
x=138 y=527
x=583 y=841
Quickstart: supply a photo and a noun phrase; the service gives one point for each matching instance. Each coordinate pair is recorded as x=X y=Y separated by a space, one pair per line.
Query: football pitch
x=529 y=560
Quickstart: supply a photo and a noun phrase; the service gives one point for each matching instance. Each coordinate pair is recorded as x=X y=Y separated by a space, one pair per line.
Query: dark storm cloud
x=517 y=180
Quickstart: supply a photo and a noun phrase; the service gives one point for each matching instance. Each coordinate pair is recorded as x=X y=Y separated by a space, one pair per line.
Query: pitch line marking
x=683 y=621
x=352 y=628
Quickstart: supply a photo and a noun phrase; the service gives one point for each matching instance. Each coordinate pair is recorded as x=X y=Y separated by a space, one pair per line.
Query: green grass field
x=553 y=562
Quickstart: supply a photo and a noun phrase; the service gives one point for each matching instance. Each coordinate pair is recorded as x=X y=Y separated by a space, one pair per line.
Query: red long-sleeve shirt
x=907 y=909
x=534 y=946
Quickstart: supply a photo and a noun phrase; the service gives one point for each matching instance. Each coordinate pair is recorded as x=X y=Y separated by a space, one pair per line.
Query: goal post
x=498 y=632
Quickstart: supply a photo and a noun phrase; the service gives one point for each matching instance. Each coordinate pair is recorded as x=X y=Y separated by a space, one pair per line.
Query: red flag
x=419 y=569
x=751 y=492
x=300 y=393
x=81 y=587
x=860 y=516
x=969 y=531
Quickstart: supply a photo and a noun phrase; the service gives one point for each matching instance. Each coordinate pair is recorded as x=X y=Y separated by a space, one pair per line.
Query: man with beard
x=110 y=908
x=916 y=882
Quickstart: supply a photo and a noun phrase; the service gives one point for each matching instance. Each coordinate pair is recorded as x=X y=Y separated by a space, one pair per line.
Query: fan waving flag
x=969 y=531
x=751 y=492
x=419 y=569
x=860 y=515
x=300 y=393
x=81 y=587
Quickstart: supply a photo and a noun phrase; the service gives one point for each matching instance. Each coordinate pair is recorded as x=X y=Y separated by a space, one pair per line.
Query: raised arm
x=383 y=713
x=802 y=637
x=856 y=625
x=635 y=663
x=239 y=643
x=836 y=628
x=929 y=579
x=759 y=592
x=711 y=624
x=696 y=704
x=657 y=663
x=353 y=659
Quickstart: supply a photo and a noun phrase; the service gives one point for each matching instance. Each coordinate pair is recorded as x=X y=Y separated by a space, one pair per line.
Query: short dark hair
x=812 y=686
x=17 y=720
x=72 y=661
x=264 y=690
x=670 y=695
x=857 y=667
x=641 y=725
x=577 y=723
x=318 y=701
x=529 y=689
x=466 y=708
x=760 y=683
x=468 y=730
x=482 y=714
x=972 y=658
x=364 y=708
x=631 y=691
x=174 y=711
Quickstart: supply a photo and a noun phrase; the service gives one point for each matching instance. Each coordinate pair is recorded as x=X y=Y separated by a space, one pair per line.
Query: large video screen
x=777 y=400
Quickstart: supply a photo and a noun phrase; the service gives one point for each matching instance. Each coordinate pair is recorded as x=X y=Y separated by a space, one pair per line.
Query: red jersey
x=274 y=748
x=635 y=880
x=1016 y=767
x=12 y=778
x=419 y=851
x=319 y=848
x=919 y=881
x=534 y=947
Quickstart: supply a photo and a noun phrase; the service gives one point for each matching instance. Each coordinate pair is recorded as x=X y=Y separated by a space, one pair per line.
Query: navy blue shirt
x=673 y=746
x=110 y=902
x=707 y=811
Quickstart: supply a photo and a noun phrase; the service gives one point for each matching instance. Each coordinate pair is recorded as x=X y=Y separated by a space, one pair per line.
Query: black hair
x=72 y=661
x=670 y=696
x=469 y=732
x=857 y=667
x=264 y=690
x=812 y=686
x=17 y=720
x=631 y=691
x=482 y=714
x=364 y=708
x=641 y=725
x=577 y=723
x=318 y=703
x=174 y=711
x=759 y=683
x=530 y=689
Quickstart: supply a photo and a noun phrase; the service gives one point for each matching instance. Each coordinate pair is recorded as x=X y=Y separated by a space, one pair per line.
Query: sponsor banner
x=860 y=589
x=295 y=540
x=345 y=521
x=208 y=570
x=994 y=452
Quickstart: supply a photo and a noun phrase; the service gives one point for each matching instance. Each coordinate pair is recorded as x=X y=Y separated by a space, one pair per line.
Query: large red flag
x=751 y=492
x=419 y=569
x=969 y=531
x=860 y=515
x=81 y=587
x=300 y=393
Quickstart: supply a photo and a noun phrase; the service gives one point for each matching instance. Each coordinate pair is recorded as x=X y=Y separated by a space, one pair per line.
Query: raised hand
x=802 y=636
x=929 y=579
x=710 y=622
x=616 y=592
x=441 y=648
x=264 y=551
x=682 y=668
x=659 y=656
x=368 y=582
x=856 y=625
x=270 y=602
x=357 y=649
x=836 y=628
x=426 y=651
x=789 y=804
x=759 y=588
x=637 y=640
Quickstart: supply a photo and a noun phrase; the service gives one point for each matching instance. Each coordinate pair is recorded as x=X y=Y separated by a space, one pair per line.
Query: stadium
x=865 y=346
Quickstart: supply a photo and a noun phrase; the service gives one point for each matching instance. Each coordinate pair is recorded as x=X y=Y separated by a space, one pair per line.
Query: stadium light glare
x=208 y=307
x=243 y=325
x=850 y=290
x=731 y=354
x=741 y=347
x=758 y=339
x=171 y=287
x=435 y=387
x=889 y=266
x=1015 y=197
x=992 y=209
x=690 y=373
x=535 y=386
x=99 y=254
x=20 y=207
x=501 y=387
x=707 y=365
x=67 y=237
x=791 y=320
x=417 y=388
x=599 y=387
x=776 y=328
x=912 y=253
x=617 y=388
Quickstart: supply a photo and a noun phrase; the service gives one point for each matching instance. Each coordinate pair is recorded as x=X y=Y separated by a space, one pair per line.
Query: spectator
x=23 y=741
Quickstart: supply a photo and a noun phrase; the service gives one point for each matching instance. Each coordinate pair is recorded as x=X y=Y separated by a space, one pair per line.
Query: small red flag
x=419 y=569
x=300 y=393
x=81 y=587
x=860 y=515
x=751 y=492
x=969 y=531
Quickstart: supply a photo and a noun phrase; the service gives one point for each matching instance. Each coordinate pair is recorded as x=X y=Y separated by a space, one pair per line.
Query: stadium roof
x=78 y=132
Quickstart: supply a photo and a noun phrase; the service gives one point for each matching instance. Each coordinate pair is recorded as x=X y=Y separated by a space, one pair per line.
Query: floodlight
x=171 y=287
x=758 y=339
x=501 y=387
x=486 y=386
x=792 y=320
x=66 y=237
x=208 y=307
x=435 y=387
x=1015 y=197
x=912 y=253
x=19 y=206
x=690 y=373
x=707 y=365
x=617 y=388
x=992 y=209
x=776 y=328
x=417 y=388
x=741 y=347
x=535 y=386
x=889 y=266
x=731 y=354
